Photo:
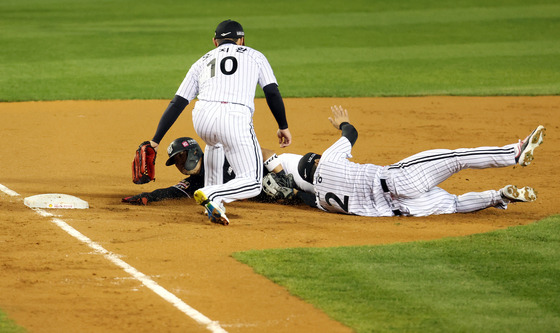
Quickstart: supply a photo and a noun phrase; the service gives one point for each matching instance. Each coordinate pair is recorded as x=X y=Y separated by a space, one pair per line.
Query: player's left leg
x=474 y=201
x=438 y=201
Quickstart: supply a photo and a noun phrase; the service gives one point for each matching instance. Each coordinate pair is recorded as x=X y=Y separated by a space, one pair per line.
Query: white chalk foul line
x=212 y=326
x=8 y=191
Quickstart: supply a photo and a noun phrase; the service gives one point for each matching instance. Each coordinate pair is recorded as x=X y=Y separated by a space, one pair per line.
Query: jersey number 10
x=223 y=63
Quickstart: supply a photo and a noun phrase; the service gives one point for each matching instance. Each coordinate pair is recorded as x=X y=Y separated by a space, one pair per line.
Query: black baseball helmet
x=194 y=152
x=306 y=166
x=229 y=29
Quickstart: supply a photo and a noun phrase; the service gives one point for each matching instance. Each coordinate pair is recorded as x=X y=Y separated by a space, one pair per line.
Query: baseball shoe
x=136 y=200
x=214 y=212
x=528 y=145
x=514 y=194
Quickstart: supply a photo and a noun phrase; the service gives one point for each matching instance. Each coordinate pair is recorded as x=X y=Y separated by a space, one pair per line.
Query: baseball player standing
x=409 y=187
x=224 y=80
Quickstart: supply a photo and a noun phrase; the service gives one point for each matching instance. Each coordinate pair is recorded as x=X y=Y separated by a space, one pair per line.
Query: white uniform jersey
x=290 y=163
x=346 y=187
x=215 y=77
x=408 y=187
x=224 y=80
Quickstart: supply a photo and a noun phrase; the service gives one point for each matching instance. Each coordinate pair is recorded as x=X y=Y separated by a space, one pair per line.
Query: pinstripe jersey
x=228 y=73
x=224 y=80
x=411 y=185
x=346 y=187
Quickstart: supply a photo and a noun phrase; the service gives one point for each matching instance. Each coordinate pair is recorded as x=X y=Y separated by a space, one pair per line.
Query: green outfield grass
x=502 y=281
x=8 y=326
x=78 y=49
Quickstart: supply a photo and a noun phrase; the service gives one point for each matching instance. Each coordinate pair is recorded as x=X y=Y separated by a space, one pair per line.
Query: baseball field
x=84 y=82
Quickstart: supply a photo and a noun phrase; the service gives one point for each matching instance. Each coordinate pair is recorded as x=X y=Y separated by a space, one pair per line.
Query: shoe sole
x=215 y=214
x=514 y=194
x=535 y=139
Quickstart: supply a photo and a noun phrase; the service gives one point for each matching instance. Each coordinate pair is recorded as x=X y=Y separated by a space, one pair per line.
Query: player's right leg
x=215 y=213
x=231 y=126
x=242 y=151
x=205 y=116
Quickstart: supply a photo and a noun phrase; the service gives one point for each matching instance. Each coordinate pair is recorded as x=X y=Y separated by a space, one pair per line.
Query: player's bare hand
x=284 y=137
x=154 y=145
x=339 y=116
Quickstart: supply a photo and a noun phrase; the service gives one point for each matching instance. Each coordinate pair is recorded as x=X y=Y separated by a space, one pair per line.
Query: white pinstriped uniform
x=224 y=80
x=351 y=188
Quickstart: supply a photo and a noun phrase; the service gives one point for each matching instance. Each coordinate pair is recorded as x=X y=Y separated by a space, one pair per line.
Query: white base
x=55 y=200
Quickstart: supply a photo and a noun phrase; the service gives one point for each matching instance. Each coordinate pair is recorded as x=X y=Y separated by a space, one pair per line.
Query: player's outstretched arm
x=168 y=118
x=341 y=121
x=339 y=116
x=172 y=192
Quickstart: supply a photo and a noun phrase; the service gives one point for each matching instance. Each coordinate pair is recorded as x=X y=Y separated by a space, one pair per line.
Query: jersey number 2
x=343 y=205
x=223 y=63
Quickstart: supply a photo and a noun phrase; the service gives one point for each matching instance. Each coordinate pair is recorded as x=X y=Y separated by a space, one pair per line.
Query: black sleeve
x=170 y=115
x=350 y=132
x=190 y=184
x=164 y=194
x=276 y=104
x=307 y=198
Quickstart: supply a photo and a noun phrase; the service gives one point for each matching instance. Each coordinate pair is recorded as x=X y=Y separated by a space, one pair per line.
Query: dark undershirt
x=170 y=115
x=350 y=132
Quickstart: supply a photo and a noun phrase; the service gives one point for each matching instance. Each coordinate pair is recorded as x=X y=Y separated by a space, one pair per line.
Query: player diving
x=410 y=187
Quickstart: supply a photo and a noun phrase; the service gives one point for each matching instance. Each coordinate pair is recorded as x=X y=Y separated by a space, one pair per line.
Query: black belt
x=386 y=190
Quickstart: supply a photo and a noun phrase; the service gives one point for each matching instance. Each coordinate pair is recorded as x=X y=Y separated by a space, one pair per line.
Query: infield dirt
x=50 y=282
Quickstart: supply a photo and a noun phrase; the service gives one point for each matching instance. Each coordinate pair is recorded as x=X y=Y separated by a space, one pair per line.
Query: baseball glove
x=144 y=164
x=279 y=186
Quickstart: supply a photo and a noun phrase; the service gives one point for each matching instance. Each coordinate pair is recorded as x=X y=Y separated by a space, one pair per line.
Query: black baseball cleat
x=528 y=145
